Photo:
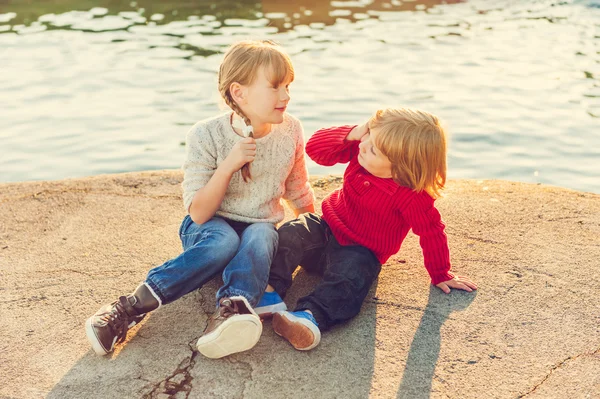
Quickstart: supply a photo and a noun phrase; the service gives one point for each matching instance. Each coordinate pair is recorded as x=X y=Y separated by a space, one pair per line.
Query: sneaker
x=233 y=328
x=300 y=328
x=109 y=325
x=270 y=303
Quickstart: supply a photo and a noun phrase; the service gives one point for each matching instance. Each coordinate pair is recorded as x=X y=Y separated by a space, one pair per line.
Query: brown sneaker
x=233 y=328
x=300 y=329
x=109 y=325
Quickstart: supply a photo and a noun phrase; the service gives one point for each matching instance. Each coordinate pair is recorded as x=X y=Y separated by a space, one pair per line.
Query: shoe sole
x=239 y=333
x=94 y=341
x=268 y=311
x=301 y=333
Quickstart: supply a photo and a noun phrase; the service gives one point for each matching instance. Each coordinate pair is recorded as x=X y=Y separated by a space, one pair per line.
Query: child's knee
x=288 y=233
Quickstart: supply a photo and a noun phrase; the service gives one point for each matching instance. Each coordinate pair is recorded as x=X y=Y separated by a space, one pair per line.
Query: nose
x=285 y=95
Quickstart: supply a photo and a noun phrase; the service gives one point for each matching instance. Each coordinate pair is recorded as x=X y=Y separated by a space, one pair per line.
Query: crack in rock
x=556 y=367
x=378 y=301
x=179 y=381
x=246 y=368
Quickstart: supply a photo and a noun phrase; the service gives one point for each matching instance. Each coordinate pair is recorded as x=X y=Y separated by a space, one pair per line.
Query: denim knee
x=261 y=235
x=215 y=229
x=288 y=234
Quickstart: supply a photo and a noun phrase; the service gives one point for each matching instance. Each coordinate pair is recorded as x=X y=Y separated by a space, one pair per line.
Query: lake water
x=113 y=86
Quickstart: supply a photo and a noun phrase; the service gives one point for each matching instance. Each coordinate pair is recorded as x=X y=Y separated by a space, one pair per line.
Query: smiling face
x=372 y=159
x=254 y=79
x=265 y=100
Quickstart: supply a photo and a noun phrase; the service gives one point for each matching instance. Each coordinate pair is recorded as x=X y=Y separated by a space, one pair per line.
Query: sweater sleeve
x=298 y=192
x=328 y=146
x=426 y=222
x=200 y=163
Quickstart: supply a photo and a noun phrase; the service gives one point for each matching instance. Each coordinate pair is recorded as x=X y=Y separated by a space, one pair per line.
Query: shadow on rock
x=425 y=347
x=159 y=359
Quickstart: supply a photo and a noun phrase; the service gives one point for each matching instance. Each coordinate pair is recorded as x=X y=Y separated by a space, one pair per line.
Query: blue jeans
x=242 y=252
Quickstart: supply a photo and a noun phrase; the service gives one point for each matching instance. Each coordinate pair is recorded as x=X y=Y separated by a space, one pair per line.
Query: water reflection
x=102 y=16
x=111 y=86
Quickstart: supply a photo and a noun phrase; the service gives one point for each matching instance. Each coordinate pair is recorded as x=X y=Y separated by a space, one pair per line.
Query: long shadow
x=160 y=360
x=425 y=347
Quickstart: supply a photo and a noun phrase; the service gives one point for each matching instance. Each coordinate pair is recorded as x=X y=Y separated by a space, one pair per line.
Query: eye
x=373 y=150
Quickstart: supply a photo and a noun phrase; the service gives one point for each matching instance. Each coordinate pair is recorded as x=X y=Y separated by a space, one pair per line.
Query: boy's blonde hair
x=241 y=64
x=415 y=143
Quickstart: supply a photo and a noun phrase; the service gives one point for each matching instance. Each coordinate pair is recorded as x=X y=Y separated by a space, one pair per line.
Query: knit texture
x=377 y=213
x=278 y=170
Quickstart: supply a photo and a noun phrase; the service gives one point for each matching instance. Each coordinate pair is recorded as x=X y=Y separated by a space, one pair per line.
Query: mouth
x=281 y=109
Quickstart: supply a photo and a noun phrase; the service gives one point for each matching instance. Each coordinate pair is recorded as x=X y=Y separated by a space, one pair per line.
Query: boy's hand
x=242 y=152
x=358 y=132
x=458 y=282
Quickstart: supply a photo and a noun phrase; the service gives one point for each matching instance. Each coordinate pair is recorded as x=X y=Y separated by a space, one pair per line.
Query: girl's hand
x=358 y=132
x=458 y=282
x=242 y=152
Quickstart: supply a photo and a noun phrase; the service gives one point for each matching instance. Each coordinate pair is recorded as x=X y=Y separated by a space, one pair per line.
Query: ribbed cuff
x=440 y=278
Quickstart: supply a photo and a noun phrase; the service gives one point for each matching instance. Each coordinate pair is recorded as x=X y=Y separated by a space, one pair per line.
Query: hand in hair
x=242 y=153
x=358 y=132
x=458 y=282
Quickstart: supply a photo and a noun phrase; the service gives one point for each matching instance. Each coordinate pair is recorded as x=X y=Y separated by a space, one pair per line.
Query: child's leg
x=207 y=250
x=235 y=326
x=349 y=273
x=247 y=273
x=301 y=242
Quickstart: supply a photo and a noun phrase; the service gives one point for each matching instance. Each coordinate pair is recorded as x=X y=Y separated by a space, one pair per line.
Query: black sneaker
x=109 y=325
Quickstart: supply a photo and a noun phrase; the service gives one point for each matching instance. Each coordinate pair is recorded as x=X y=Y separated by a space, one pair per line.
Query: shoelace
x=118 y=319
x=227 y=308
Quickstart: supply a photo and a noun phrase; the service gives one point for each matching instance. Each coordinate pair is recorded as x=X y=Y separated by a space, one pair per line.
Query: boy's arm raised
x=333 y=145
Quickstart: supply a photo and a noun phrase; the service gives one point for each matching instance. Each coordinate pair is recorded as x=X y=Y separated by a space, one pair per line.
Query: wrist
x=225 y=170
x=353 y=135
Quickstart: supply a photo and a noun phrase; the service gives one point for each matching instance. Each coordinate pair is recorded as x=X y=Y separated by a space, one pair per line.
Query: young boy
x=397 y=167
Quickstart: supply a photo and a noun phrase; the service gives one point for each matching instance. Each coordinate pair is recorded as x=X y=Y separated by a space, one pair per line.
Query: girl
x=397 y=168
x=230 y=223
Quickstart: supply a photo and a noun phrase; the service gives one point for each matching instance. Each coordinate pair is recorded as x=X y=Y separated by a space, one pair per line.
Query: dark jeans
x=348 y=271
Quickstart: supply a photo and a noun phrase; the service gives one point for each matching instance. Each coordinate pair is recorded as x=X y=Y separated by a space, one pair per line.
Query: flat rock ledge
x=531 y=330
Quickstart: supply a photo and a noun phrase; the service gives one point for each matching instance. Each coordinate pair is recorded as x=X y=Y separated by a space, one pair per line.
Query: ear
x=238 y=93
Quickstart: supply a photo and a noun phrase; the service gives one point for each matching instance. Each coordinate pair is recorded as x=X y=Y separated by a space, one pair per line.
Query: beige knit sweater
x=278 y=171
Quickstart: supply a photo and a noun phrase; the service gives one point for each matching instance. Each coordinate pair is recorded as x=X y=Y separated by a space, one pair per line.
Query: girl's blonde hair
x=241 y=64
x=415 y=143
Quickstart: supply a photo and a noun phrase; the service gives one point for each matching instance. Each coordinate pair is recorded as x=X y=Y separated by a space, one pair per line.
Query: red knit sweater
x=377 y=213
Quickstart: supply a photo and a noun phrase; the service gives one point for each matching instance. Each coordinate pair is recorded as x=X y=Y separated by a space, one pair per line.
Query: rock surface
x=531 y=330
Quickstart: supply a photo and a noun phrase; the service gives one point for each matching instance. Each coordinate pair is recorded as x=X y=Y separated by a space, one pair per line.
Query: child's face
x=265 y=103
x=373 y=160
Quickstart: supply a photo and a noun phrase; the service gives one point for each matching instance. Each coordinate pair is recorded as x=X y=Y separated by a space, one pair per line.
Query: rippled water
x=111 y=86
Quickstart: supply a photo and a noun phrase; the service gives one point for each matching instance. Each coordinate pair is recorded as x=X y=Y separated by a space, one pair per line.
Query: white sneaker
x=233 y=328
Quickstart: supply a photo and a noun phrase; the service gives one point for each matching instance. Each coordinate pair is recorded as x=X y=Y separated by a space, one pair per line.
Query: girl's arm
x=298 y=192
x=426 y=222
x=333 y=145
x=207 y=200
x=204 y=183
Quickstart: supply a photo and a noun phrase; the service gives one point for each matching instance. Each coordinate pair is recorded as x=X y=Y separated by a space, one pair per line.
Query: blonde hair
x=415 y=143
x=241 y=64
